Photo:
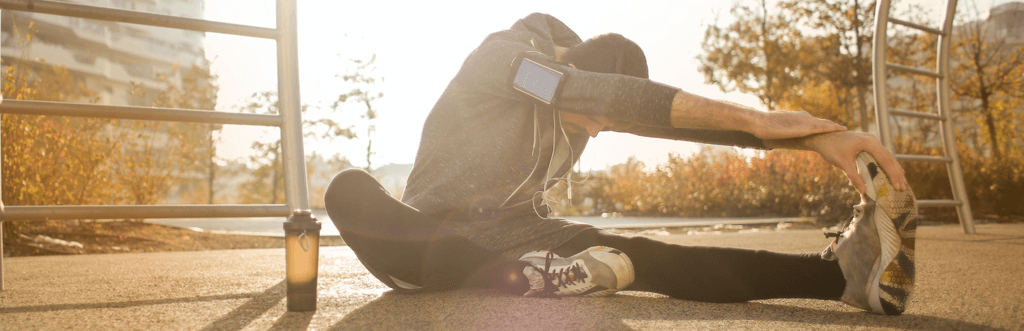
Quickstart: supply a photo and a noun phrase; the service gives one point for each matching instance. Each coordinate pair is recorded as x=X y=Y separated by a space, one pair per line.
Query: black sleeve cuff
x=644 y=102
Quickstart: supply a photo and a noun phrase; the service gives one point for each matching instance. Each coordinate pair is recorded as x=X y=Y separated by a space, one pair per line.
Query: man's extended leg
x=870 y=265
x=717 y=274
x=405 y=248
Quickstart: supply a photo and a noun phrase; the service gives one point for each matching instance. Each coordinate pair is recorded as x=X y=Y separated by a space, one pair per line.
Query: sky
x=421 y=44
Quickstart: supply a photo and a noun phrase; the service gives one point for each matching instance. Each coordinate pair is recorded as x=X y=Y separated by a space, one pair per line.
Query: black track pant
x=395 y=241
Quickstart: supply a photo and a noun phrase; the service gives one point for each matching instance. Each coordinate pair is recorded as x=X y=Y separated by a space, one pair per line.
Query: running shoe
x=596 y=271
x=876 y=247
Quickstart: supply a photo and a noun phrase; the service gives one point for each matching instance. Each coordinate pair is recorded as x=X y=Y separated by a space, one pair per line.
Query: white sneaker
x=596 y=271
x=876 y=248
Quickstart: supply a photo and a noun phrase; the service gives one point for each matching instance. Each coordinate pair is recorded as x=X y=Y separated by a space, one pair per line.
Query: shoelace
x=838 y=233
x=561 y=278
x=846 y=225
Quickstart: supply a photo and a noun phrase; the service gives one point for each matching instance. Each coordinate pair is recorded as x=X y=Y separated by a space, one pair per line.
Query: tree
x=362 y=77
x=163 y=155
x=912 y=92
x=755 y=54
x=809 y=55
x=834 y=71
x=198 y=90
x=76 y=161
x=846 y=28
x=988 y=77
x=321 y=127
x=59 y=152
x=267 y=183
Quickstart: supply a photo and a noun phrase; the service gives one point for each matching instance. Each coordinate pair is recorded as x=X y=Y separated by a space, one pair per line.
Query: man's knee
x=350 y=192
x=349 y=184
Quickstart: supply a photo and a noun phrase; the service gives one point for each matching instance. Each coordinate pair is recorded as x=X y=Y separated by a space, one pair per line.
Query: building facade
x=107 y=56
x=114 y=59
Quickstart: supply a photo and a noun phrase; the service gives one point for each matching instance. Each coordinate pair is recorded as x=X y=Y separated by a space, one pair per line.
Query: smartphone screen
x=537 y=80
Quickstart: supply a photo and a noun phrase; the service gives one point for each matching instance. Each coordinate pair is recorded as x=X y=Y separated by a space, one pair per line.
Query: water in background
x=273 y=226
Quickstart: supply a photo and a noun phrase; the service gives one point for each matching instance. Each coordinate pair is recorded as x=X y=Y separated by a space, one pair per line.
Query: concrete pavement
x=968 y=282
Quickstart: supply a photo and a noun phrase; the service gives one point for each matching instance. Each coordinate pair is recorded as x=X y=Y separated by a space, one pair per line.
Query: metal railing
x=289 y=120
x=941 y=75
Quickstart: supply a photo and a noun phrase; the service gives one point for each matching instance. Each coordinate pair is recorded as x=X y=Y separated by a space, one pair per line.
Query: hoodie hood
x=546 y=32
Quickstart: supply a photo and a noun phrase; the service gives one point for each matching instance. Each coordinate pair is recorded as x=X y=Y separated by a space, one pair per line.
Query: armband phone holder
x=537 y=80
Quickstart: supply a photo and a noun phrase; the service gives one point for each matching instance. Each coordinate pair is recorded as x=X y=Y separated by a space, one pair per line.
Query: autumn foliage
x=719 y=184
x=815 y=56
x=995 y=187
x=59 y=160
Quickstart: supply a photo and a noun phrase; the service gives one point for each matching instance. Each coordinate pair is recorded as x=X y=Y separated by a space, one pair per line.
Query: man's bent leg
x=405 y=248
x=717 y=274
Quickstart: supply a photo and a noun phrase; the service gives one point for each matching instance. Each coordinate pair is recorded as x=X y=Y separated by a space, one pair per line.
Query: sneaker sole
x=621 y=282
x=895 y=217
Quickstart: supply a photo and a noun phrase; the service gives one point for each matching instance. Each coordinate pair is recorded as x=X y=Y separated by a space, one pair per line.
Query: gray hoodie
x=488 y=152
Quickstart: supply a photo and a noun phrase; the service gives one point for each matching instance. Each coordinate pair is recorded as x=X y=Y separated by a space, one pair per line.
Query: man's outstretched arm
x=696 y=112
x=789 y=130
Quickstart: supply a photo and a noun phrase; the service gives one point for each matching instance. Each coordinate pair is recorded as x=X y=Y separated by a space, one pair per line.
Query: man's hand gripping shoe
x=876 y=247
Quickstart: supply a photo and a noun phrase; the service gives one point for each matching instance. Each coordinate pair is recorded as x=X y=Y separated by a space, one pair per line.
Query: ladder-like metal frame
x=941 y=75
x=289 y=119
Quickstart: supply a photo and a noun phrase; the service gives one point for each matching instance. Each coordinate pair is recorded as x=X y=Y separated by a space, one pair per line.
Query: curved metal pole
x=1 y=210
x=956 y=177
x=941 y=74
x=878 y=48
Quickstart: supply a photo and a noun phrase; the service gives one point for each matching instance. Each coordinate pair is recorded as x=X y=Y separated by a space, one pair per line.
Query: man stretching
x=473 y=213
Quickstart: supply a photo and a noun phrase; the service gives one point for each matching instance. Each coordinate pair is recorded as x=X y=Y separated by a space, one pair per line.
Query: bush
x=995 y=186
x=719 y=184
x=781 y=184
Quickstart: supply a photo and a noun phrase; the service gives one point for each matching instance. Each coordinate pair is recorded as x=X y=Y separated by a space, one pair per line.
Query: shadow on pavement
x=480 y=309
x=125 y=304
x=979 y=237
x=293 y=321
x=250 y=311
x=258 y=305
